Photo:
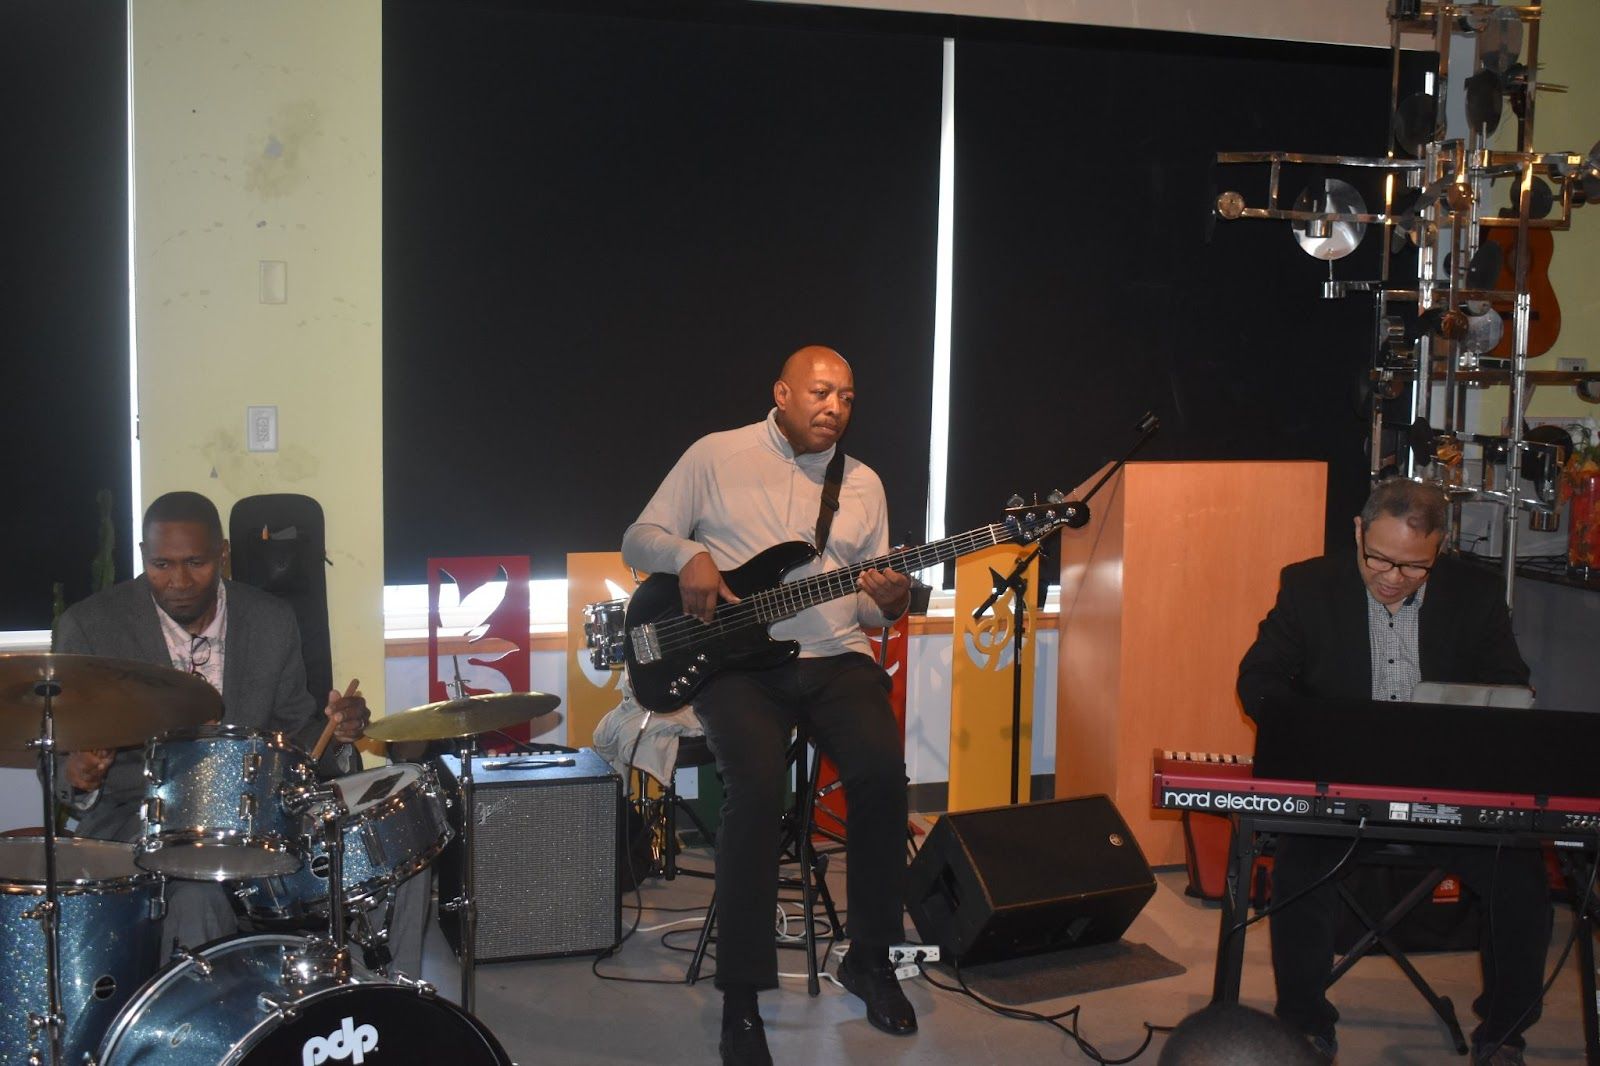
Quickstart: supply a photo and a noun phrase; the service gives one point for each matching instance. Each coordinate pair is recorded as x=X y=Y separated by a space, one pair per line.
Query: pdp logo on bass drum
x=346 y=1042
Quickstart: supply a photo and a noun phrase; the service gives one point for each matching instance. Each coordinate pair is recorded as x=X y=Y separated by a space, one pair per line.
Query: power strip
x=911 y=954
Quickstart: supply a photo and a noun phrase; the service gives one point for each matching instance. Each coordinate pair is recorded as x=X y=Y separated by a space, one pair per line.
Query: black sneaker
x=868 y=975
x=744 y=1041
x=1325 y=1046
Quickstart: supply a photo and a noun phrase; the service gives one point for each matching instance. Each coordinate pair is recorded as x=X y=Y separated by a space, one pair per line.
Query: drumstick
x=333 y=723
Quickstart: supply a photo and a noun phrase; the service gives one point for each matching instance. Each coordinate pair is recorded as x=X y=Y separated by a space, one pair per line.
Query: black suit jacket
x=263 y=680
x=1314 y=641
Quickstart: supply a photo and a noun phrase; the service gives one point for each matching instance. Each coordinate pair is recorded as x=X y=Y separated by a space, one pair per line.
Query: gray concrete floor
x=557 y=1011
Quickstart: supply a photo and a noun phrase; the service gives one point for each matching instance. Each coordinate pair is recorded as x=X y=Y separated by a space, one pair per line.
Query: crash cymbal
x=96 y=702
x=464 y=717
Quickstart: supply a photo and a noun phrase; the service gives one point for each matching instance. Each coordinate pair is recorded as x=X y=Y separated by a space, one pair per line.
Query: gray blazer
x=263 y=680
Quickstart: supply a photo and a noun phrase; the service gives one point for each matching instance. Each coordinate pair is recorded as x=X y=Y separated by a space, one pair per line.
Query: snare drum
x=109 y=940
x=394 y=826
x=605 y=633
x=211 y=807
x=237 y=1001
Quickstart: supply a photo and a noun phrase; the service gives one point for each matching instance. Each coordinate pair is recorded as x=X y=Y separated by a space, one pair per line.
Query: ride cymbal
x=463 y=717
x=96 y=702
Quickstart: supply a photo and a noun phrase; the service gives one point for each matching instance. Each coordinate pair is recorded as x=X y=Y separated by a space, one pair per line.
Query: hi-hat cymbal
x=96 y=702
x=464 y=717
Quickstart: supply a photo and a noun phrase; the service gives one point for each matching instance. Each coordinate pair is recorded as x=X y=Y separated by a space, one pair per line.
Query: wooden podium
x=1161 y=594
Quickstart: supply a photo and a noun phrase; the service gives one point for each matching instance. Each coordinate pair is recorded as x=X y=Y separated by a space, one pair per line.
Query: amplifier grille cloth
x=547 y=860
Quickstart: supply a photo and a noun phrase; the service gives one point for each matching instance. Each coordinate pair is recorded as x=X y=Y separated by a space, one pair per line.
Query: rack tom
x=212 y=808
x=395 y=825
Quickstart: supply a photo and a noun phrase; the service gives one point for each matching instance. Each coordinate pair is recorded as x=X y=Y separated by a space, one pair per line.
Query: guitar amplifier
x=548 y=839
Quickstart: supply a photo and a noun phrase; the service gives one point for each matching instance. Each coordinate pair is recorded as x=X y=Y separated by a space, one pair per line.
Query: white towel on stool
x=650 y=740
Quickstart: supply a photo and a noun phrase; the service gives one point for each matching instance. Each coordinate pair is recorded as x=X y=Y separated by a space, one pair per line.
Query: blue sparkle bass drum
x=259 y=1000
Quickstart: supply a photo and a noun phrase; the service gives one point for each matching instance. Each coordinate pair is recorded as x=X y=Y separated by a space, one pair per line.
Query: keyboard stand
x=1246 y=847
x=1377 y=935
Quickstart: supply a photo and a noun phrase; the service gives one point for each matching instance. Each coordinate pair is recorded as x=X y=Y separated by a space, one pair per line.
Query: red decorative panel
x=486 y=598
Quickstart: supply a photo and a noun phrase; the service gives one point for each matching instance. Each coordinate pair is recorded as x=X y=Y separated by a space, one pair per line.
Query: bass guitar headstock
x=1029 y=522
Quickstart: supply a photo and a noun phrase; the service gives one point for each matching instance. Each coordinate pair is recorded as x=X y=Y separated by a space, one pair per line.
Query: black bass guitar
x=670 y=655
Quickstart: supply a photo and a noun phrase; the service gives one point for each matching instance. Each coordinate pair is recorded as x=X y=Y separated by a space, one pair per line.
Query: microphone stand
x=1016 y=582
x=1076 y=515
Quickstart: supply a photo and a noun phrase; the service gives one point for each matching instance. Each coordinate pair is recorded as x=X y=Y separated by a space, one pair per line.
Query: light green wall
x=257 y=136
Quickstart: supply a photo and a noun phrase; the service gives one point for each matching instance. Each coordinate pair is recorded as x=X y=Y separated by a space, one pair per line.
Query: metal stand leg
x=469 y=881
x=1235 y=909
x=1577 y=879
x=48 y=913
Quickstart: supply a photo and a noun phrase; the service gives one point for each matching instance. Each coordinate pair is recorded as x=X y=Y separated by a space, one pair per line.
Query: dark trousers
x=1510 y=883
x=843 y=700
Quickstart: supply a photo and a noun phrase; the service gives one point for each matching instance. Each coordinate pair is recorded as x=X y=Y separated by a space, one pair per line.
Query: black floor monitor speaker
x=1004 y=882
x=547 y=843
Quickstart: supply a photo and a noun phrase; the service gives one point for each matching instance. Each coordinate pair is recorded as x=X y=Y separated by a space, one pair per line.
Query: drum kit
x=80 y=919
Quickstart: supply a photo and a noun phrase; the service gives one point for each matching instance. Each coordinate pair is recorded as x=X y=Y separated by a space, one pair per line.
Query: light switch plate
x=261 y=428
x=273 y=281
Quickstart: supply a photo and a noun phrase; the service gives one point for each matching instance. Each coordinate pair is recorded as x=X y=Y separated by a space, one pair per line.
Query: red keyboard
x=1226 y=784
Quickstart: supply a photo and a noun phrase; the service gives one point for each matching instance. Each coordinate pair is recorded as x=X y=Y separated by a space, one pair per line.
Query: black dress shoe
x=744 y=1041
x=868 y=974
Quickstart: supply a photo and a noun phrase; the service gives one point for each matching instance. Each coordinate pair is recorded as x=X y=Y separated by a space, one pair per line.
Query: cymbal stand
x=48 y=913
x=467 y=902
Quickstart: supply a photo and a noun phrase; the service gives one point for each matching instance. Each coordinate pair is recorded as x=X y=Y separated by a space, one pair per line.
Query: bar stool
x=794 y=846
x=661 y=812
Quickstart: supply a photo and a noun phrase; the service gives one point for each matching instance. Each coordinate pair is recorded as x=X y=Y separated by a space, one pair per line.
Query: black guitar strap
x=830 y=497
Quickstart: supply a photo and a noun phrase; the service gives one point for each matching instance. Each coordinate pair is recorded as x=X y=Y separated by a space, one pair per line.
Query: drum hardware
x=462 y=719
x=299 y=799
x=194 y=958
x=605 y=634
x=102 y=703
x=328 y=959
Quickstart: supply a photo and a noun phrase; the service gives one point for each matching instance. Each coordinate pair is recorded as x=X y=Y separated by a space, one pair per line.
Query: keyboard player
x=1372 y=624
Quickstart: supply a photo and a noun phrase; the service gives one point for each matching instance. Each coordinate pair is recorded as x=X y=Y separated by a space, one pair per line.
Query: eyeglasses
x=199 y=653
x=1379 y=565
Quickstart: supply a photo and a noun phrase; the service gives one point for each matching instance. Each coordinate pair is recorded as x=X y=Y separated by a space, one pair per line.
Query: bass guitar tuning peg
x=1015 y=501
x=1056 y=496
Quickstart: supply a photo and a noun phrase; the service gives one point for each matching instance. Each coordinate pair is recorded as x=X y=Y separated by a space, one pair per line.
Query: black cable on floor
x=1054 y=1020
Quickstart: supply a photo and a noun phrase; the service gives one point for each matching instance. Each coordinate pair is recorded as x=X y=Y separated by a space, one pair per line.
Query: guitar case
x=279 y=545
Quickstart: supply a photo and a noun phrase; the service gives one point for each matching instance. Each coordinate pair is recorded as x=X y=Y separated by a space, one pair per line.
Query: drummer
x=241 y=640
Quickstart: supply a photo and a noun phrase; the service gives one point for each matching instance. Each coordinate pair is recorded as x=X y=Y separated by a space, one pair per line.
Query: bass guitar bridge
x=645 y=648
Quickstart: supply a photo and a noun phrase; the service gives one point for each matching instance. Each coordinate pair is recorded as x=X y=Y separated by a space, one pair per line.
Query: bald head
x=814 y=396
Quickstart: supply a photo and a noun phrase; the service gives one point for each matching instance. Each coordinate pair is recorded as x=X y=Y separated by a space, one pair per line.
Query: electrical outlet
x=910 y=954
x=1572 y=366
